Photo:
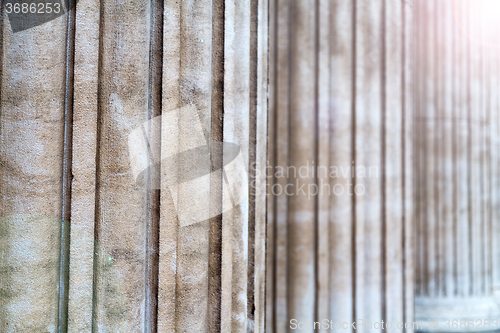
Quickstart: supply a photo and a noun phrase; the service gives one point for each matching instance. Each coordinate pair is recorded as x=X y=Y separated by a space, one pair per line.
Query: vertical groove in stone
x=67 y=170
x=252 y=214
x=214 y=305
x=383 y=161
x=354 y=255
x=97 y=196
x=315 y=157
x=153 y=191
x=418 y=146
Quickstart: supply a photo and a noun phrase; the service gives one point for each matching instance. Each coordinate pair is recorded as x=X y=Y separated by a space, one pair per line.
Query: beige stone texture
x=128 y=258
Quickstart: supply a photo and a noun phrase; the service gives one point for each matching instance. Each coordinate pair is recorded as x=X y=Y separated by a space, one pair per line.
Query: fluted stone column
x=456 y=163
x=340 y=152
x=32 y=175
x=133 y=147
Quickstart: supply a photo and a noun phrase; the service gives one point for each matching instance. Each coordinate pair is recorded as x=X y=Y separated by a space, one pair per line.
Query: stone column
x=143 y=125
x=32 y=176
x=456 y=165
x=340 y=185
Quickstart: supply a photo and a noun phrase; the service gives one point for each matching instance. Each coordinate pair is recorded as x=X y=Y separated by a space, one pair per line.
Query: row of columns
x=130 y=134
x=143 y=178
x=340 y=166
x=456 y=164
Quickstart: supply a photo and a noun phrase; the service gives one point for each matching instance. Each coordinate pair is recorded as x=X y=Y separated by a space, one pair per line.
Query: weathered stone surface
x=72 y=91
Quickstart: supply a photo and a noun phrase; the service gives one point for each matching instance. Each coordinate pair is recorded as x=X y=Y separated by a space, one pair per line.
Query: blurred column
x=456 y=147
x=340 y=152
